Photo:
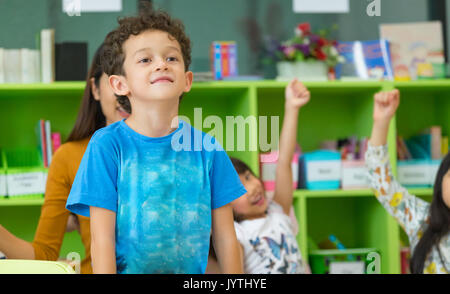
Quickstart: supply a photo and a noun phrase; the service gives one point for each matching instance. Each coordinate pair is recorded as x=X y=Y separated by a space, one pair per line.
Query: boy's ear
x=119 y=85
x=189 y=78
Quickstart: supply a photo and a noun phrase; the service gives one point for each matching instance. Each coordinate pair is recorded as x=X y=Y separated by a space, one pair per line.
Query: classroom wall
x=248 y=22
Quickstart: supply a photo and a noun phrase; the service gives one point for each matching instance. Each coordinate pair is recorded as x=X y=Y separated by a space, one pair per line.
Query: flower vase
x=303 y=70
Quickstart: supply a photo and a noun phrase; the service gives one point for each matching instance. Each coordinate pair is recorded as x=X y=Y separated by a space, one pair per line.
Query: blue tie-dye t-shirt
x=162 y=190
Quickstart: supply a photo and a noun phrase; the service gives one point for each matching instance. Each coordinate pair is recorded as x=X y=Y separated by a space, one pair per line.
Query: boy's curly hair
x=113 y=56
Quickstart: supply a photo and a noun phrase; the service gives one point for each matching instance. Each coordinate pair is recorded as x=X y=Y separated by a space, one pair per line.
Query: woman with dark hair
x=99 y=108
x=427 y=225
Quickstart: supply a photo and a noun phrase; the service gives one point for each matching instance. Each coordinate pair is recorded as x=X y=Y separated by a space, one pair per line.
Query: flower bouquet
x=306 y=56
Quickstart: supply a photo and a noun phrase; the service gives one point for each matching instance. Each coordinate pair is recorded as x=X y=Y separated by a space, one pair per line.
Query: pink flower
x=289 y=51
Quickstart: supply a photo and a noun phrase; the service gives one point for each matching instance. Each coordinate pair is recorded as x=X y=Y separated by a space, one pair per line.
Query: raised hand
x=385 y=105
x=296 y=94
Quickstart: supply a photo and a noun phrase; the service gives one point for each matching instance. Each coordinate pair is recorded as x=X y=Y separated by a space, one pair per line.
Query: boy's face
x=154 y=68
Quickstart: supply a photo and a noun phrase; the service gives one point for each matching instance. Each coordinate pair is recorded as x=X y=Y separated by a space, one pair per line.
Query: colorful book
x=12 y=66
x=56 y=141
x=426 y=145
x=216 y=63
x=365 y=60
x=48 y=142
x=47 y=46
x=417 y=49
x=232 y=53
x=444 y=146
x=42 y=145
x=223 y=59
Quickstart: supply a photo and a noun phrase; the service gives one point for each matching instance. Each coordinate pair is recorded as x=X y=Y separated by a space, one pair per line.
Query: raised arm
x=103 y=224
x=296 y=96
x=408 y=210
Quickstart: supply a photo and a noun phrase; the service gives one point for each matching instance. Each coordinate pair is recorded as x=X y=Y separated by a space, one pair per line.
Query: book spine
x=12 y=66
x=47 y=56
x=386 y=51
x=43 y=142
x=26 y=68
x=225 y=59
x=436 y=142
x=216 y=61
x=232 y=51
x=56 y=141
x=48 y=141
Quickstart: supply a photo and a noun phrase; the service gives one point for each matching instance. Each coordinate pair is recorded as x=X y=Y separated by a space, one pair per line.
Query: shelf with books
x=337 y=109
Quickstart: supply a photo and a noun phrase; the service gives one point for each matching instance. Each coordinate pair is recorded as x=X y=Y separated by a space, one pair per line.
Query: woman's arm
x=225 y=243
x=296 y=95
x=52 y=221
x=13 y=247
x=103 y=242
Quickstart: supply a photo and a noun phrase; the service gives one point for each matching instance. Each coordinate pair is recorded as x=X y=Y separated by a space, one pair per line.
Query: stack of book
x=429 y=144
x=30 y=65
x=351 y=148
x=48 y=142
x=420 y=157
x=223 y=59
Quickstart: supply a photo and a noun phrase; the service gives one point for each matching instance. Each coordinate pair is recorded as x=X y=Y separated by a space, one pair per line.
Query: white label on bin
x=354 y=177
x=25 y=183
x=323 y=170
x=417 y=174
x=433 y=169
x=3 y=185
x=347 y=267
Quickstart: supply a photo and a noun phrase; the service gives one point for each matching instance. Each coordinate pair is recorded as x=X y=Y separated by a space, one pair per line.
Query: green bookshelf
x=336 y=109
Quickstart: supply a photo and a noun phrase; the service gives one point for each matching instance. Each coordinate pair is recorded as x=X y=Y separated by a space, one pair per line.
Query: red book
x=224 y=48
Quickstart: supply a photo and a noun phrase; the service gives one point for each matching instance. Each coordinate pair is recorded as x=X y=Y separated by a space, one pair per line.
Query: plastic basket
x=20 y=266
x=25 y=175
x=3 y=188
x=344 y=261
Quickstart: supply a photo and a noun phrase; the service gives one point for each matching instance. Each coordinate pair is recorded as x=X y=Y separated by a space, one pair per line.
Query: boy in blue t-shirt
x=152 y=195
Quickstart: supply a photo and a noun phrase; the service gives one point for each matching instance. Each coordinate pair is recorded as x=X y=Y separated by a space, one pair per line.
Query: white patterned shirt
x=410 y=211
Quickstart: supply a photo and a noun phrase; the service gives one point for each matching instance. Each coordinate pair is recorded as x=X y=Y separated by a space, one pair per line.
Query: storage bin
x=268 y=167
x=3 y=191
x=417 y=172
x=25 y=174
x=320 y=170
x=345 y=261
x=354 y=174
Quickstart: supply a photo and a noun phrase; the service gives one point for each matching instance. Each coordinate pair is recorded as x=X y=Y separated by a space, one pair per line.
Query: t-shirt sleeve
x=225 y=183
x=95 y=183
x=240 y=233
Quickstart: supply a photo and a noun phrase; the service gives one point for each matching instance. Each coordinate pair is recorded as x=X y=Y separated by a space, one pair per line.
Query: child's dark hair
x=240 y=166
x=438 y=223
x=113 y=55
